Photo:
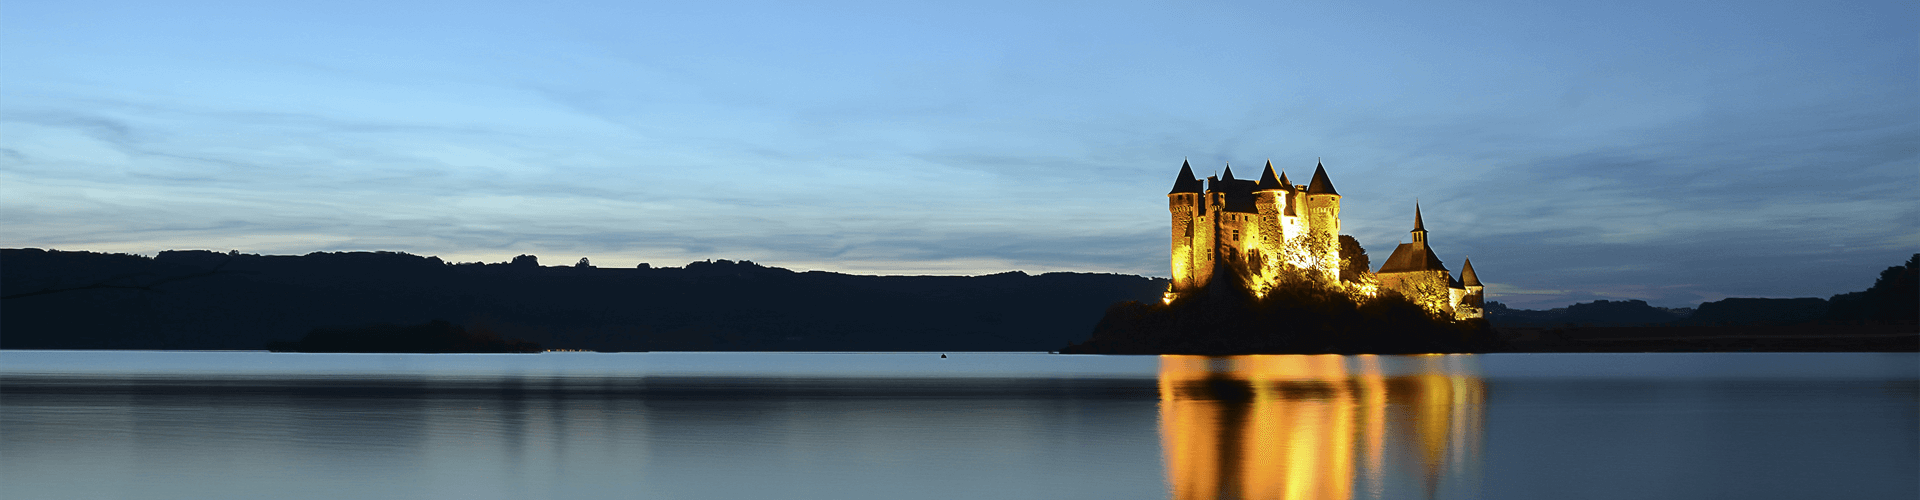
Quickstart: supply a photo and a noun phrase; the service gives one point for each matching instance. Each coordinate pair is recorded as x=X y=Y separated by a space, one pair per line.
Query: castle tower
x=1268 y=229
x=1189 y=222
x=1323 y=221
x=1473 y=304
x=1226 y=234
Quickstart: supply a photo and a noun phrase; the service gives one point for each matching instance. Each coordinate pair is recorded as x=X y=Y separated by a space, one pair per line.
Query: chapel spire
x=1419 y=227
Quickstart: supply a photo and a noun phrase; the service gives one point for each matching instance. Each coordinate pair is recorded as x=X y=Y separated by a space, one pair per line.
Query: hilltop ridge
x=215 y=300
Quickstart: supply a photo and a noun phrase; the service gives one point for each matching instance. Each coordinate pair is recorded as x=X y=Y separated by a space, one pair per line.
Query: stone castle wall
x=1427 y=288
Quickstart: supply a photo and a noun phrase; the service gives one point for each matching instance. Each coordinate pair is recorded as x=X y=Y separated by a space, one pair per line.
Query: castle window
x=1236 y=235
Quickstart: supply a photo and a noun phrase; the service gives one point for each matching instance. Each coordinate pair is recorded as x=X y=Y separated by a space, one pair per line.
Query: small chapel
x=1265 y=228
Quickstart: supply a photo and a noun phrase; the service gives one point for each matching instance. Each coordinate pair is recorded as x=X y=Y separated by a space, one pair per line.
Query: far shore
x=1766 y=338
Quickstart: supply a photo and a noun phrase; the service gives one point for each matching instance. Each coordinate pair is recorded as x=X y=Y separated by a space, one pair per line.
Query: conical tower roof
x=1228 y=175
x=1185 y=183
x=1417 y=224
x=1268 y=181
x=1320 y=183
x=1466 y=274
x=1284 y=182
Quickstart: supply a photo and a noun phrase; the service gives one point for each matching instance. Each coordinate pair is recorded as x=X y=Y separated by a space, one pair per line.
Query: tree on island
x=1303 y=313
x=1353 y=260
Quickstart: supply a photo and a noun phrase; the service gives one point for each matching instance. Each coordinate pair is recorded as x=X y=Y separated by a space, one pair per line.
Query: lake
x=199 y=425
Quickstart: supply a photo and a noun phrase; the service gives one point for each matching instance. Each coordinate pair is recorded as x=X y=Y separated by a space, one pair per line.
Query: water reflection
x=1318 y=427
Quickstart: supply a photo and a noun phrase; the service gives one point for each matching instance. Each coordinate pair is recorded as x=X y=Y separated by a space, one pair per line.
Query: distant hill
x=1884 y=317
x=1596 y=313
x=1894 y=299
x=211 y=300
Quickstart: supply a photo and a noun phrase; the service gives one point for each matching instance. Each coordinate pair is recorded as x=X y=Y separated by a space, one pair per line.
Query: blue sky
x=1668 y=151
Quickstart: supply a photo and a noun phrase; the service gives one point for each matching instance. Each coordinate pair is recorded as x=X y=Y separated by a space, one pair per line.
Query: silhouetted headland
x=1301 y=315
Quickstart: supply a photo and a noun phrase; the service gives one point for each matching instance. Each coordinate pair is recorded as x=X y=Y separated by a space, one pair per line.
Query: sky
x=1674 y=152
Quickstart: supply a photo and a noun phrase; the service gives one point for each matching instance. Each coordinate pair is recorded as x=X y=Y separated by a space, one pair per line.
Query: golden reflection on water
x=1317 y=427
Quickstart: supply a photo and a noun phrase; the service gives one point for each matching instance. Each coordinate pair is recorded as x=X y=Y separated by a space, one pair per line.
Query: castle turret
x=1189 y=213
x=1320 y=183
x=1268 y=182
x=1270 y=201
x=1323 y=221
x=1472 y=304
x=1185 y=182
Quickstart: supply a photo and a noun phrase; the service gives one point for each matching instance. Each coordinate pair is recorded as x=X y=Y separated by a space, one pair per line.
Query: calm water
x=77 y=424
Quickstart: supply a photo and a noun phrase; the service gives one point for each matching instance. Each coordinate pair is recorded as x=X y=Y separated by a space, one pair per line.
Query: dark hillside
x=210 y=300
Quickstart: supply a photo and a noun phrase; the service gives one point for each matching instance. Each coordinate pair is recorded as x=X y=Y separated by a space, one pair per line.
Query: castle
x=1263 y=229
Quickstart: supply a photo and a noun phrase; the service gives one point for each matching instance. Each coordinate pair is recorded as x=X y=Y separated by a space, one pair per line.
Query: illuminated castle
x=1261 y=229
